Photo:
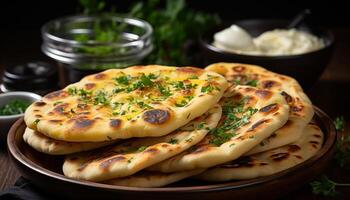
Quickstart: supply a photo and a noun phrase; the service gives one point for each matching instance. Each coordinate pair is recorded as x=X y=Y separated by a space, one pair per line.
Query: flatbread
x=139 y=101
x=148 y=179
x=249 y=116
x=301 y=110
x=269 y=162
x=130 y=157
x=51 y=146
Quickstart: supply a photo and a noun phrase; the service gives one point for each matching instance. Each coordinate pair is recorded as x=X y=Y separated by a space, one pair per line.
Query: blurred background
x=20 y=37
x=20 y=21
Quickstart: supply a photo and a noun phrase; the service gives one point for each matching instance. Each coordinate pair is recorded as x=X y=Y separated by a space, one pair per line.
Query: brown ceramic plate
x=45 y=172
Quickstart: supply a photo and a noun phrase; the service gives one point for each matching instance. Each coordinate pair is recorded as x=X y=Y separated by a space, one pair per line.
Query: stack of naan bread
x=149 y=126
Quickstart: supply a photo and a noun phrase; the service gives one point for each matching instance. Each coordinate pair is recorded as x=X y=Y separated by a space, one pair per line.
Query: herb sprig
x=326 y=187
x=339 y=123
x=342 y=153
x=174 y=25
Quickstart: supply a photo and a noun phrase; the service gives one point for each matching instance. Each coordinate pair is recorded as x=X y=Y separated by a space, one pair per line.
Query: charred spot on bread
x=57 y=95
x=269 y=108
x=279 y=156
x=267 y=84
x=89 y=86
x=100 y=76
x=115 y=123
x=156 y=116
x=287 y=97
x=107 y=163
x=39 y=104
x=263 y=94
x=238 y=69
x=257 y=124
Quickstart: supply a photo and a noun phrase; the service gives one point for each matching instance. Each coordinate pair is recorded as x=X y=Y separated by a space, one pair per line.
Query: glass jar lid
x=71 y=40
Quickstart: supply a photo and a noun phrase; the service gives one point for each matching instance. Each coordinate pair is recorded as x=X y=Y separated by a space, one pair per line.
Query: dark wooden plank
x=8 y=173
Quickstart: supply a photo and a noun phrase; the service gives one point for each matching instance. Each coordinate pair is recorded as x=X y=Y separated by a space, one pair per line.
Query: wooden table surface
x=330 y=93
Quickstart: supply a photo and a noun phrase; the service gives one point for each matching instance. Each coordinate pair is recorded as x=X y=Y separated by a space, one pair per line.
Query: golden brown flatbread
x=127 y=158
x=301 y=110
x=249 y=116
x=51 y=146
x=269 y=162
x=139 y=101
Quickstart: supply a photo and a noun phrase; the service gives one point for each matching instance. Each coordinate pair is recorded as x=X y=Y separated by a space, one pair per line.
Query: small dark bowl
x=306 y=68
x=45 y=172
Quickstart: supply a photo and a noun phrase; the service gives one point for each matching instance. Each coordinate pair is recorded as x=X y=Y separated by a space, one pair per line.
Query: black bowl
x=306 y=68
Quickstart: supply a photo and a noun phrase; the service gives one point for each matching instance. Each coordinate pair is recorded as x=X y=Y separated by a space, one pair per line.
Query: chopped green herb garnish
x=14 y=107
x=173 y=141
x=124 y=80
x=143 y=105
x=226 y=130
x=117 y=90
x=146 y=80
x=201 y=125
x=141 y=149
x=193 y=77
x=165 y=91
x=181 y=104
x=101 y=98
x=119 y=113
x=252 y=83
x=189 y=97
x=189 y=139
x=36 y=121
x=117 y=105
x=84 y=94
x=72 y=90
x=245 y=80
x=129 y=161
x=57 y=102
x=209 y=88
x=179 y=85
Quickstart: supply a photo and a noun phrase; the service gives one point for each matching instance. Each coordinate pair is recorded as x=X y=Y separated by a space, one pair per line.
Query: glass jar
x=72 y=42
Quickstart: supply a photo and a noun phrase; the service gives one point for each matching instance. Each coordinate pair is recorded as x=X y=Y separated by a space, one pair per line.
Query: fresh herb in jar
x=174 y=25
x=14 y=107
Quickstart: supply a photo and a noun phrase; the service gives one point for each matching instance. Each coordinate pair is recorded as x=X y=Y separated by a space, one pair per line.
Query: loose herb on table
x=14 y=107
x=326 y=187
